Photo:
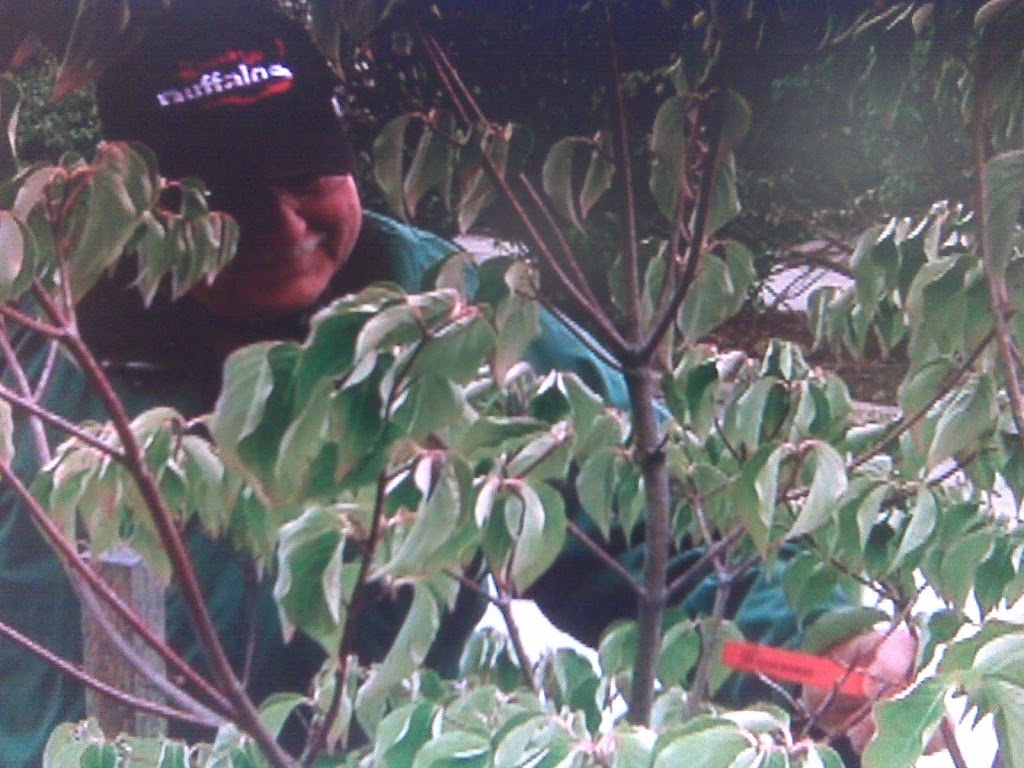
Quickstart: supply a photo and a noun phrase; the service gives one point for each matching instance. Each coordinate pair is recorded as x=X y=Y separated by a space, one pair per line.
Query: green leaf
x=10 y=101
x=477 y=190
x=828 y=485
x=437 y=518
x=668 y=142
x=868 y=512
x=595 y=486
x=718 y=292
x=407 y=653
x=1002 y=657
x=1005 y=188
x=923 y=518
x=388 y=151
x=920 y=388
x=617 y=650
x=960 y=564
x=725 y=202
x=248 y=382
x=277 y=708
x=433 y=165
x=459 y=349
x=726 y=631
x=13 y=245
x=838 y=625
x=965 y=420
x=517 y=322
x=557 y=176
x=600 y=173
x=576 y=684
x=735 y=120
x=454 y=749
x=535 y=517
x=68 y=742
x=991 y=11
x=634 y=748
x=401 y=734
x=307 y=547
x=680 y=651
x=906 y=724
x=713 y=747
x=766 y=485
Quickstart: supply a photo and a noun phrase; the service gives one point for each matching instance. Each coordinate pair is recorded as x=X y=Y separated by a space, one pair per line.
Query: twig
x=604 y=557
x=611 y=336
x=906 y=424
x=45 y=329
x=952 y=743
x=152 y=676
x=662 y=321
x=709 y=643
x=627 y=201
x=567 y=253
x=38 y=412
x=317 y=737
x=713 y=552
x=18 y=371
x=999 y=301
x=77 y=673
x=504 y=605
x=584 y=338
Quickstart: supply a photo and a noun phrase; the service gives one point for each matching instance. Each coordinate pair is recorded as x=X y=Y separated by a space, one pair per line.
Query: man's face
x=295 y=235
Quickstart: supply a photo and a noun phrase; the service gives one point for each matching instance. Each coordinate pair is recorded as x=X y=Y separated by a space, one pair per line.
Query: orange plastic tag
x=793 y=667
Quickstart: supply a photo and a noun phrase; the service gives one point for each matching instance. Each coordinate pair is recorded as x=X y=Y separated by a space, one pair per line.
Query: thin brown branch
x=906 y=424
x=72 y=429
x=713 y=125
x=570 y=258
x=154 y=677
x=436 y=52
x=317 y=737
x=709 y=643
x=602 y=555
x=582 y=336
x=714 y=551
x=43 y=328
x=504 y=605
x=948 y=731
x=627 y=201
x=21 y=380
x=609 y=333
x=999 y=300
x=83 y=677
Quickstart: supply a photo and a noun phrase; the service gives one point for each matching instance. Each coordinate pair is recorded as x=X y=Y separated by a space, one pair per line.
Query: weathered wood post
x=135 y=582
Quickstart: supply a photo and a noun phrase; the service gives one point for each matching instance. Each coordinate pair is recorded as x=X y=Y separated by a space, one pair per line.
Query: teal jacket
x=164 y=355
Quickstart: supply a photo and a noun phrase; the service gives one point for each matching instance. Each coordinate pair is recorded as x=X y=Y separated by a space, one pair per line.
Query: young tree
x=401 y=447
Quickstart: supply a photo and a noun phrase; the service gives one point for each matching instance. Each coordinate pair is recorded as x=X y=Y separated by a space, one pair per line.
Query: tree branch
x=71 y=557
x=83 y=677
x=174 y=544
x=665 y=317
x=627 y=201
